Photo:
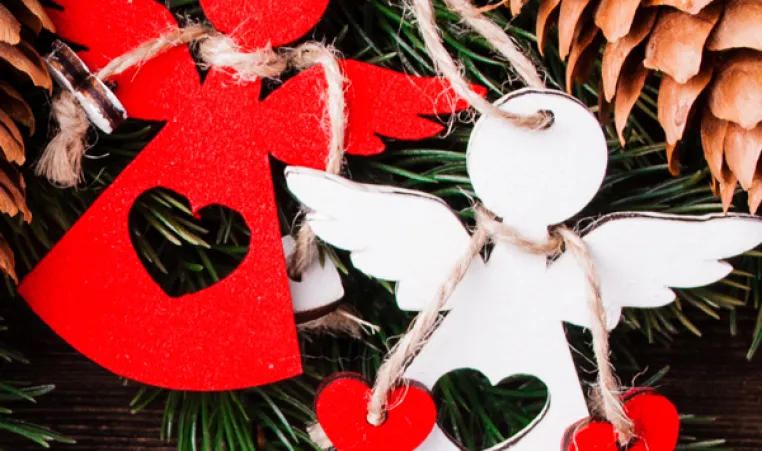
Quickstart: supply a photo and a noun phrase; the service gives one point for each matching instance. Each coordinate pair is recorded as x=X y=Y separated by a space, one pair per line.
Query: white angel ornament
x=506 y=316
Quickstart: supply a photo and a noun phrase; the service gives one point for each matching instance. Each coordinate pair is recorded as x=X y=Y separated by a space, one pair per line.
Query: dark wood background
x=709 y=376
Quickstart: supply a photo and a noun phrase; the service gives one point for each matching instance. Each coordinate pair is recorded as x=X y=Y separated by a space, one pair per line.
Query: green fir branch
x=12 y=394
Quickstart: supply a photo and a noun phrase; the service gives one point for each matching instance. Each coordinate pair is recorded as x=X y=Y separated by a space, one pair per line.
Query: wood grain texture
x=709 y=376
x=89 y=403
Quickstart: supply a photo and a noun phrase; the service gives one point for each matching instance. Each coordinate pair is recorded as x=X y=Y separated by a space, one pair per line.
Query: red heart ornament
x=342 y=410
x=657 y=425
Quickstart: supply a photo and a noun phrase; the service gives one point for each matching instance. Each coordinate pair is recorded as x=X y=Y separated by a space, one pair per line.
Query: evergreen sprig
x=185 y=255
x=12 y=393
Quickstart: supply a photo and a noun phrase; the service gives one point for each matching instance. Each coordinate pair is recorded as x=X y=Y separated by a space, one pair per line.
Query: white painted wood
x=319 y=287
x=506 y=331
x=507 y=315
x=540 y=177
x=639 y=256
x=394 y=234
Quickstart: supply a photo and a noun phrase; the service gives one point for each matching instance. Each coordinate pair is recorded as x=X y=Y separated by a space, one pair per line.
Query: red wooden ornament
x=657 y=426
x=93 y=290
x=342 y=410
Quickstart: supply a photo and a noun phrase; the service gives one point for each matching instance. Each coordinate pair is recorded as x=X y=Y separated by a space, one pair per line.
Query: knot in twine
x=64 y=162
x=488 y=227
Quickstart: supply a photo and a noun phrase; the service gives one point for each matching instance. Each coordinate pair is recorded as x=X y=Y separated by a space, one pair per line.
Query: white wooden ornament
x=319 y=287
x=507 y=315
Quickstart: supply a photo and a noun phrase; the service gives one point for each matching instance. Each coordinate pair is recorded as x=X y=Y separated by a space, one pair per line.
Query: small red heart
x=342 y=410
x=657 y=425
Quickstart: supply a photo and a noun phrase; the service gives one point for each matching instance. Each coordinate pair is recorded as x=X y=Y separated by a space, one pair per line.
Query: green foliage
x=12 y=393
x=270 y=418
x=184 y=255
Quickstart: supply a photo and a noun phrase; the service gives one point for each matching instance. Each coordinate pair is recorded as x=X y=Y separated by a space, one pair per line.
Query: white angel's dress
x=506 y=317
x=507 y=329
x=513 y=324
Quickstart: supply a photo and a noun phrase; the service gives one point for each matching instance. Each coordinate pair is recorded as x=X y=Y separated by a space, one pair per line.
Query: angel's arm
x=639 y=257
x=393 y=234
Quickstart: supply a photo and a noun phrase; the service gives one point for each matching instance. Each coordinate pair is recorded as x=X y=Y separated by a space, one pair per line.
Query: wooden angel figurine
x=506 y=316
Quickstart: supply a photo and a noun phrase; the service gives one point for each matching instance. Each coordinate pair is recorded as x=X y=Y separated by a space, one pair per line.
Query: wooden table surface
x=709 y=376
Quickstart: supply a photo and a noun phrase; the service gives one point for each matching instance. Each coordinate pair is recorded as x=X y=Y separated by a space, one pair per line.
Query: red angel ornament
x=93 y=290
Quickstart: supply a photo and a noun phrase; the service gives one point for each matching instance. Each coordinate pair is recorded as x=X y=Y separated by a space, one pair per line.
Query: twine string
x=425 y=323
x=520 y=63
x=607 y=399
x=153 y=48
x=488 y=227
x=446 y=66
x=220 y=51
x=303 y=57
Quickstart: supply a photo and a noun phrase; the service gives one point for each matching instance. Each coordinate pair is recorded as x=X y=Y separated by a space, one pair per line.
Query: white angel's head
x=538 y=177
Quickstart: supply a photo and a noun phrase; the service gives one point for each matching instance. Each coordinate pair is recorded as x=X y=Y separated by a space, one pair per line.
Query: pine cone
x=709 y=53
x=20 y=65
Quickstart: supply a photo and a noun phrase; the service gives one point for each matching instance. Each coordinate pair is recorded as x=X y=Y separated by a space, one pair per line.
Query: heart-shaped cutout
x=177 y=248
x=186 y=253
x=657 y=426
x=342 y=410
x=478 y=415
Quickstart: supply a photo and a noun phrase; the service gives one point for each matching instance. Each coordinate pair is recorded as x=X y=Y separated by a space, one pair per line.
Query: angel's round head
x=538 y=177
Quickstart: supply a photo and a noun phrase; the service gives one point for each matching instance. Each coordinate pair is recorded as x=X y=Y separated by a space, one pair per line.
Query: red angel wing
x=391 y=104
x=111 y=28
x=380 y=102
x=258 y=23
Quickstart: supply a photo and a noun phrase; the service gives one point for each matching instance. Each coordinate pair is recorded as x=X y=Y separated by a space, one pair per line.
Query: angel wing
x=393 y=234
x=640 y=256
x=110 y=28
x=380 y=102
x=395 y=105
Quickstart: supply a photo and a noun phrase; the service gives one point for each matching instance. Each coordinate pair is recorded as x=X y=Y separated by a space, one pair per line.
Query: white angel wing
x=639 y=256
x=393 y=234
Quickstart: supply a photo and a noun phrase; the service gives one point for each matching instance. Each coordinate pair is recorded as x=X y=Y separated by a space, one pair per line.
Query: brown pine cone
x=20 y=66
x=709 y=47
